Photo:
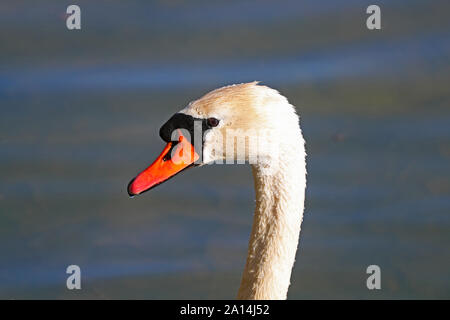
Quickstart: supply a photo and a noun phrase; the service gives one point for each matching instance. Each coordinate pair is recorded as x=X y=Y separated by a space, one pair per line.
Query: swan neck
x=276 y=228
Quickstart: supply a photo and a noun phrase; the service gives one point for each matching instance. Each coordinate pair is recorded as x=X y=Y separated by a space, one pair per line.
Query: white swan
x=251 y=112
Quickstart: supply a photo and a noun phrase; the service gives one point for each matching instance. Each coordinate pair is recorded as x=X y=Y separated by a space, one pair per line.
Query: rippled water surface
x=80 y=113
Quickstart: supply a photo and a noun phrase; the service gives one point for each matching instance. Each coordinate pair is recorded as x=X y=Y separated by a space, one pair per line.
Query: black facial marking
x=184 y=121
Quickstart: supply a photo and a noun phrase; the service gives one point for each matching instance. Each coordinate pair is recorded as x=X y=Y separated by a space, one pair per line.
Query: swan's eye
x=212 y=122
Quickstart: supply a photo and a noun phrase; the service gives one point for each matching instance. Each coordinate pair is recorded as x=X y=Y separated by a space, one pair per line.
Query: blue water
x=80 y=113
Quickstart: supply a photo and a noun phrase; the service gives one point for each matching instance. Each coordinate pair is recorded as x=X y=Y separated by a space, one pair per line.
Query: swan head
x=234 y=124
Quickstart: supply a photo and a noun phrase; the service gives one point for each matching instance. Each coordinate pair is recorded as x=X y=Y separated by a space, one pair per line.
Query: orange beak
x=175 y=157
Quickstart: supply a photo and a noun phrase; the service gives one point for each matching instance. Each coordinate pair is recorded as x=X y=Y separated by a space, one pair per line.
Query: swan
x=208 y=130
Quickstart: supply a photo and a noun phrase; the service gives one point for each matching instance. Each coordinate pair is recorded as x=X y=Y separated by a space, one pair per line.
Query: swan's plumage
x=268 y=126
x=279 y=177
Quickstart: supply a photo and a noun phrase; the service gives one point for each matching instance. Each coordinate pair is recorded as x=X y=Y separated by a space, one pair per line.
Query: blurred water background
x=80 y=113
